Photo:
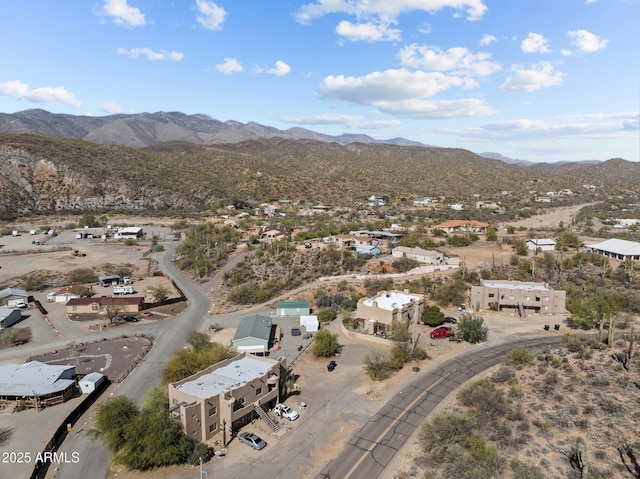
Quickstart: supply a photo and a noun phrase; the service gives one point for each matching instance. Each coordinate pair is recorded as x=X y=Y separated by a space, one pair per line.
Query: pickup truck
x=285 y=411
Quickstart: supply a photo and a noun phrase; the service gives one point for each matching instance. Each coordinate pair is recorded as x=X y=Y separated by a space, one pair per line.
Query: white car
x=285 y=411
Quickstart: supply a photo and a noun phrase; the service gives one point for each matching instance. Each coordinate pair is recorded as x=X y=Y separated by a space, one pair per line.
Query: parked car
x=295 y=332
x=442 y=332
x=332 y=365
x=450 y=320
x=130 y=319
x=252 y=440
x=286 y=412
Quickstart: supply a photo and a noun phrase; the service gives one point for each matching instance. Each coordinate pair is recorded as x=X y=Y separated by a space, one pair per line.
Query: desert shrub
x=445 y=430
x=325 y=344
x=200 y=451
x=471 y=329
x=326 y=315
x=485 y=398
x=526 y=471
x=432 y=316
x=504 y=375
x=377 y=365
x=518 y=357
x=81 y=276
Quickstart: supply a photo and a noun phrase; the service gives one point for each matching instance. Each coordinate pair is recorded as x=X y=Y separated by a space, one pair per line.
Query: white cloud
x=349 y=121
x=230 y=65
x=210 y=15
x=151 y=54
x=487 y=40
x=430 y=109
x=555 y=128
x=587 y=2
x=280 y=69
x=540 y=75
x=458 y=60
x=403 y=93
x=389 y=85
x=48 y=95
x=110 y=107
x=384 y=12
x=122 y=13
x=368 y=32
x=586 y=42
x=535 y=43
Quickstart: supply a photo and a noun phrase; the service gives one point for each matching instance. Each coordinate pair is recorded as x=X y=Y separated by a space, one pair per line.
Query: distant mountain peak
x=145 y=129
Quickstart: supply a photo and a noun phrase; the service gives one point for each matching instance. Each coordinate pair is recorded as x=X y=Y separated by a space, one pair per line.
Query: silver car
x=250 y=439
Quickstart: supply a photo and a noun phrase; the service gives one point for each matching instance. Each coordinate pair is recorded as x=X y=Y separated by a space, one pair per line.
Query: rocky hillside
x=144 y=129
x=44 y=175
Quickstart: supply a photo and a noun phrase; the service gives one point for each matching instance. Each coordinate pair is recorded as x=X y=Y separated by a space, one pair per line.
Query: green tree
x=89 y=221
x=153 y=439
x=471 y=329
x=326 y=315
x=325 y=344
x=432 y=316
x=9 y=336
x=159 y=293
x=156 y=399
x=492 y=234
x=198 y=340
x=186 y=362
x=112 y=418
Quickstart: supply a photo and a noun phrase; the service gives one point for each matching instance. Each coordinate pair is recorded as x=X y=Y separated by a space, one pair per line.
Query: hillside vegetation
x=44 y=175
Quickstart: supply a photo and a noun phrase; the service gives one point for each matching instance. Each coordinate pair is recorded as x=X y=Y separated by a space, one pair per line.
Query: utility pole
x=202 y=473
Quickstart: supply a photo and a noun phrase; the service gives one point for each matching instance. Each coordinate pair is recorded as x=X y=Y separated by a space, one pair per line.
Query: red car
x=442 y=332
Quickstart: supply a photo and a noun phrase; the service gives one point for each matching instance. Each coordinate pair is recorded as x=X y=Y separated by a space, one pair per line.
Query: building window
x=74 y=308
x=491 y=295
x=213 y=411
x=545 y=298
x=94 y=307
x=512 y=297
x=258 y=391
x=545 y=307
x=213 y=427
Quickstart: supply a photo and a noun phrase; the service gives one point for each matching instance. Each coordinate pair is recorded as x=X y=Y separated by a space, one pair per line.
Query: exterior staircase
x=266 y=418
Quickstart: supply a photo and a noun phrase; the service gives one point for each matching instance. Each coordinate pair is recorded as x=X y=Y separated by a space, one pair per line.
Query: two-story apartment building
x=519 y=296
x=218 y=401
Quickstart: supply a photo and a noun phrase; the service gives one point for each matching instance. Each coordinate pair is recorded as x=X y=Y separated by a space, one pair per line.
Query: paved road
x=171 y=335
x=373 y=446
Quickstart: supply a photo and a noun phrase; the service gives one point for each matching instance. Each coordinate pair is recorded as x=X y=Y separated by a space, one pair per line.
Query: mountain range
x=145 y=129
x=172 y=163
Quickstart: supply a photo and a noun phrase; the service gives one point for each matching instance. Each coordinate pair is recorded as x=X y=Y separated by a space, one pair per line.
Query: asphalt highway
x=371 y=449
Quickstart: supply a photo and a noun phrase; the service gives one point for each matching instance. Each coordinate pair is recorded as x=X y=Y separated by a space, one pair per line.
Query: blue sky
x=539 y=80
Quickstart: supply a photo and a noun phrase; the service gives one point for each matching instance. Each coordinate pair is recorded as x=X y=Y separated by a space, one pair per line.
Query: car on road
x=450 y=320
x=286 y=412
x=332 y=365
x=130 y=319
x=252 y=440
x=442 y=332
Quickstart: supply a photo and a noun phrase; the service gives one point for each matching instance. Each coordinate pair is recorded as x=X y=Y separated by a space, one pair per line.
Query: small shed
x=9 y=295
x=541 y=244
x=9 y=317
x=90 y=382
x=310 y=323
x=292 y=308
x=253 y=334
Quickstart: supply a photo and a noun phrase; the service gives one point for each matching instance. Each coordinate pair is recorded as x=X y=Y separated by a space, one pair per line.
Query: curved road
x=169 y=335
x=376 y=443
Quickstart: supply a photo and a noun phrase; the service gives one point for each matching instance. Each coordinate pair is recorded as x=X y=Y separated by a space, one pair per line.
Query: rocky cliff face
x=32 y=184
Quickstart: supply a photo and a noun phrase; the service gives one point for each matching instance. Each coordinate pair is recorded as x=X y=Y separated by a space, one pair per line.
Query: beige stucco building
x=216 y=402
x=521 y=297
x=377 y=313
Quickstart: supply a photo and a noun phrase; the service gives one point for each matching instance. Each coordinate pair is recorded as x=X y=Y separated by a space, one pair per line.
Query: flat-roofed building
x=519 y=296
x=377 y=313
x=218 y=401
x=35 y=384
